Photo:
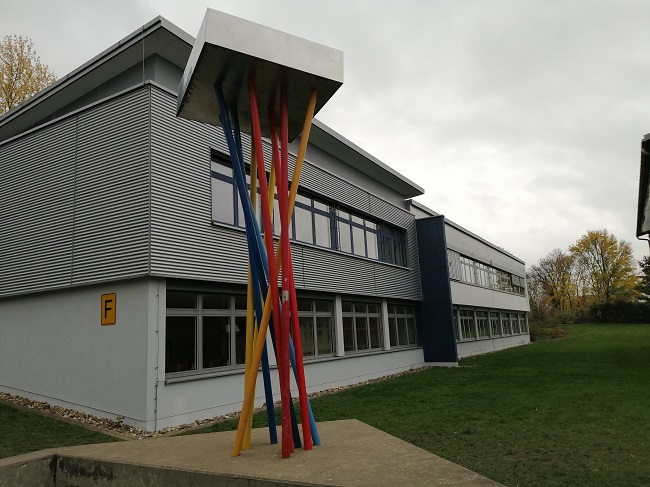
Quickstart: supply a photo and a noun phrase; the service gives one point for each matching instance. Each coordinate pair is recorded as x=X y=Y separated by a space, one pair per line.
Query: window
x=505 y=323
x=471 y=271
x=204 y=331
x=316 y=327
x=495 y=324
x=514 y=323
x=314 y=221
x=523 y=324
x=489 y=323
x=401 y=323
x=467 y=324
x=361 y=326
x=482 y=324
x=467 y=270
x=392 y=246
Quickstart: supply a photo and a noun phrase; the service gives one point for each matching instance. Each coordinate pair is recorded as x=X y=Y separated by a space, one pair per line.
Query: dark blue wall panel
x=435 y=319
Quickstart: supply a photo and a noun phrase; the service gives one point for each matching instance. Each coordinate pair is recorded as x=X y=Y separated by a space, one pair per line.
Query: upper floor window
x=314 y=221
x=466 y=269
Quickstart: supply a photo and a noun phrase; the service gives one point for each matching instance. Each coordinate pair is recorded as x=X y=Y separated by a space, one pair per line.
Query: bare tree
x=552 y=281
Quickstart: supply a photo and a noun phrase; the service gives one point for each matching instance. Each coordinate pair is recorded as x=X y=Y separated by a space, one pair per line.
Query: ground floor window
x=316 y=326
x=401 y=323
x=467 y=330
x=495 y=324
x=478 y=323
x=523 y=323
x=482 y=324
x=361 y=326
x=505 y=323
x=204 y=331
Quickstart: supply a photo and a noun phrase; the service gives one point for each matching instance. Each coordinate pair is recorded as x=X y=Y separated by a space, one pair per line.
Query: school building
x=123 y=259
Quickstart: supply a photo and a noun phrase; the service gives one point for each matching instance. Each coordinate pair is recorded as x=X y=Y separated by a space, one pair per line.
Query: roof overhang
x=229 y=51
x=158 y=36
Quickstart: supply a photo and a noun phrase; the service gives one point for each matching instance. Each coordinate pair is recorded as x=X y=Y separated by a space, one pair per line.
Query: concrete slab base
x=352 y=454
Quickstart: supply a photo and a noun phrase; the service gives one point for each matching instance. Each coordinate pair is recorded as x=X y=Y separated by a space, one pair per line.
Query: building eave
x=159 y=36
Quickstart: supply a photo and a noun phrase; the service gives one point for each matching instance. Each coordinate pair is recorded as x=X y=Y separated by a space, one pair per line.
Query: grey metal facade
x=123 y=189
x=74 y=199
x=185 y=243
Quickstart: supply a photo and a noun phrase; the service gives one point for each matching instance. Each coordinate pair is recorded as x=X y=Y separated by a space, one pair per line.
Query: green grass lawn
x=23 y=431
x=570 y=412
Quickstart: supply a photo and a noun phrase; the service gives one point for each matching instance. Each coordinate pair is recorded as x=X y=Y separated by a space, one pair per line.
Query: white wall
x=485 y=345
x=186 y=401
x=473 y=247
x=54 y=349
x=469 y=295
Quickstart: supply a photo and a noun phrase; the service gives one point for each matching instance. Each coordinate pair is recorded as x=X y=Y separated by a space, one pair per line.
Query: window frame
x=199 y=312
x=366 y=316
x=394 y=315
x=389 y=242
x=315 y=314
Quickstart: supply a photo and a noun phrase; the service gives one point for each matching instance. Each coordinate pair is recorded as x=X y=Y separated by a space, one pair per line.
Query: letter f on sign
x=109 y=309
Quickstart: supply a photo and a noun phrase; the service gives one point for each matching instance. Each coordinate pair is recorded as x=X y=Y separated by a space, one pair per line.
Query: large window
x=204 y=331
x=401 y=323
x=361 y=326
x=482 y=323
x=314 y=221
x=467 y=330
x=466 y=269
x=505 y=323
x=523 y=323
x=495 y=324
x=316 y=327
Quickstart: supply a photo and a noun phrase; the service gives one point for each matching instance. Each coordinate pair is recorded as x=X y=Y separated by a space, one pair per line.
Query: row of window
x=314 y=221
x=477 y=323
x=208 y=330
x=468 y=270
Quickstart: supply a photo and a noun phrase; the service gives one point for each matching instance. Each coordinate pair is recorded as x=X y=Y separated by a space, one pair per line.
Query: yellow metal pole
x=250 y=319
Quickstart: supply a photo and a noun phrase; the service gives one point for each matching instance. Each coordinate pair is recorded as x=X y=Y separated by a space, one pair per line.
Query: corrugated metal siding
x=111 y=225
x=74 y=199
x=398 y=282
x=36 y=209
x=185 y=244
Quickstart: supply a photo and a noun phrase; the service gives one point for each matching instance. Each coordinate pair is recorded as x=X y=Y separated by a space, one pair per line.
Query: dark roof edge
x=59 y=84
x=416 y=189
x=467 y=232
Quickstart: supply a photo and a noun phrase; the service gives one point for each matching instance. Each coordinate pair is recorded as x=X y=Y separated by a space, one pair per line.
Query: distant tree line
x=595 y=280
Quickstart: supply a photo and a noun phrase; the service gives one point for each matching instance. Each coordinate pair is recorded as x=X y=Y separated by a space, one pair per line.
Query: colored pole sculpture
x=299 y=76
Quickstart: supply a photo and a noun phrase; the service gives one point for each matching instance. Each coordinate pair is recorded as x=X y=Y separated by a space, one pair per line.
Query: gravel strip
x=118 y=428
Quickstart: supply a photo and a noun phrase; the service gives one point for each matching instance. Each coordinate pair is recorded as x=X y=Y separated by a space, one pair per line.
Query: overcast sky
x=521 y=119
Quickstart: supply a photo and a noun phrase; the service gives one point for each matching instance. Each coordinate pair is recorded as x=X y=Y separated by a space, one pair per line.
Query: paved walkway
x=352 y=454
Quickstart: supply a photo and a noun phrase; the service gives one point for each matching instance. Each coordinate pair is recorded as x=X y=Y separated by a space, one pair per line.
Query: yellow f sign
x=109 y=309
